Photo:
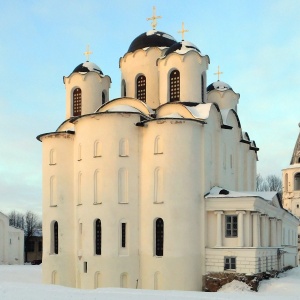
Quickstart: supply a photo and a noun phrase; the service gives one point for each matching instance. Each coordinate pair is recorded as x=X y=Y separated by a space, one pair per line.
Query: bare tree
x=32 y=226
x=260 y=183
x=270 y=183
x=274 y=183
x=16 y=219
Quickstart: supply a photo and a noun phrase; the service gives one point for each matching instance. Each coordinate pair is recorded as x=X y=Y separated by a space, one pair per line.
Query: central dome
x=152 y=38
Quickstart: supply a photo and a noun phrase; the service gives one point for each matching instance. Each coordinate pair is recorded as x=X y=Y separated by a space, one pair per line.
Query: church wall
x=11 y=243
x=92 y=86
x=58 y=205
x=191 y=66
x=181 y=165
x=119 y=154
x=142 y=62
x=3 y=239
x=15 y=246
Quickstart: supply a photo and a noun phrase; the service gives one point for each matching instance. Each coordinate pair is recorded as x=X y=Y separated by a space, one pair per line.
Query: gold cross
x=87 y=53
x=218 y=73
x=154 y=18
x=182 y=31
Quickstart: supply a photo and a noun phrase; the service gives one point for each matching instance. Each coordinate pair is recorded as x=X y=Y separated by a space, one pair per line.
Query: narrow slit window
x=159 y=237
x=55 y=240
x=123 y=235
x=98 y=234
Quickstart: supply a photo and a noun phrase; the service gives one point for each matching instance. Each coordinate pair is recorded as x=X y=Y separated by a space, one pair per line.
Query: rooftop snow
x=160 y=33
x=87 y=67
x=219 y=86
x=123 y=108
x=215 y=193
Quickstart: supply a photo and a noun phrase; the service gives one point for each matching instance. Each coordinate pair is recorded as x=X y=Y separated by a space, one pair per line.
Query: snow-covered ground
x=24 y=283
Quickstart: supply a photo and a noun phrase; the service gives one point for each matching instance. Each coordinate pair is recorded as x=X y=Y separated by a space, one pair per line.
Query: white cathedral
x=146 y=190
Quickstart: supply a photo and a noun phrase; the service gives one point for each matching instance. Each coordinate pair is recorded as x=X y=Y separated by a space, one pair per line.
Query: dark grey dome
x=87 y=67
x=152 y=38
x=182 y=48
x=219 y=85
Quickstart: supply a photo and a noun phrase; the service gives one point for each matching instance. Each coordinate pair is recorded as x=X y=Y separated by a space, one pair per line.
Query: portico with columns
x=251 y=237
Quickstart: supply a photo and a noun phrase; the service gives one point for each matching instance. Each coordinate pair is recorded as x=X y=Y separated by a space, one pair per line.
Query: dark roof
x=152 y=38
x=183 y=45
x=219 y=85
x=87 y=67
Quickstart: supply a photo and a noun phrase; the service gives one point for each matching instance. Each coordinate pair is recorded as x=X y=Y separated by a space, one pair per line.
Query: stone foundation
x=214 y=281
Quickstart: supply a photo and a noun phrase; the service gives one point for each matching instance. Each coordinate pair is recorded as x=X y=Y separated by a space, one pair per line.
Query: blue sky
x=256 y=43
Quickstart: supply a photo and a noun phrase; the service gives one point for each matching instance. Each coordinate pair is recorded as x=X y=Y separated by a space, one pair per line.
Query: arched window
x=52 y=158
x=97 y=280
x=79 y=152
x=141 y=88
x=54 y=277
x=98 y=187
x=157 y=281
x=79 y=182
x=124 y=280
x=77 y=102
x=123 y=185
x=174 y=86
x=53 y=191
x=98 y=235
x=158 y=186
x=123 y=88
x=297 y=182
x=103 y=97
x=55 y=237
x=159 y=237
x=97 y=149
x=158 y=146
x=286 y=183
x=123 y=148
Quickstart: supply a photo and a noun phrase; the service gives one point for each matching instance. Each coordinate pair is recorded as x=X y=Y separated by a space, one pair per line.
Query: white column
x=256 y=229
x=241 y=228
x=264 y=230
x=273 y=232
x=219 y=242
x=279 y=233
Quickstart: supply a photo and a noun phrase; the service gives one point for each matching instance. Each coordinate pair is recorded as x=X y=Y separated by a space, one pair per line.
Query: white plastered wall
x=92 y=85
x=191 y=67
x=58 y=205
x=142 y=62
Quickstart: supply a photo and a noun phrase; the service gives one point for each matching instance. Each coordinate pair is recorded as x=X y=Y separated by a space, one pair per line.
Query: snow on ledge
x=123 y=108
x=218 y=192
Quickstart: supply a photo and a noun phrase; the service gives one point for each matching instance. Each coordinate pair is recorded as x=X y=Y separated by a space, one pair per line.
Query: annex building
x=147 y=190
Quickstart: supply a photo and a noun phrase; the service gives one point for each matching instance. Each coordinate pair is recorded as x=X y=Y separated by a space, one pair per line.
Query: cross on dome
x=154 y=18
x=87 y=53
x=182 y=31
x=218 y=73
